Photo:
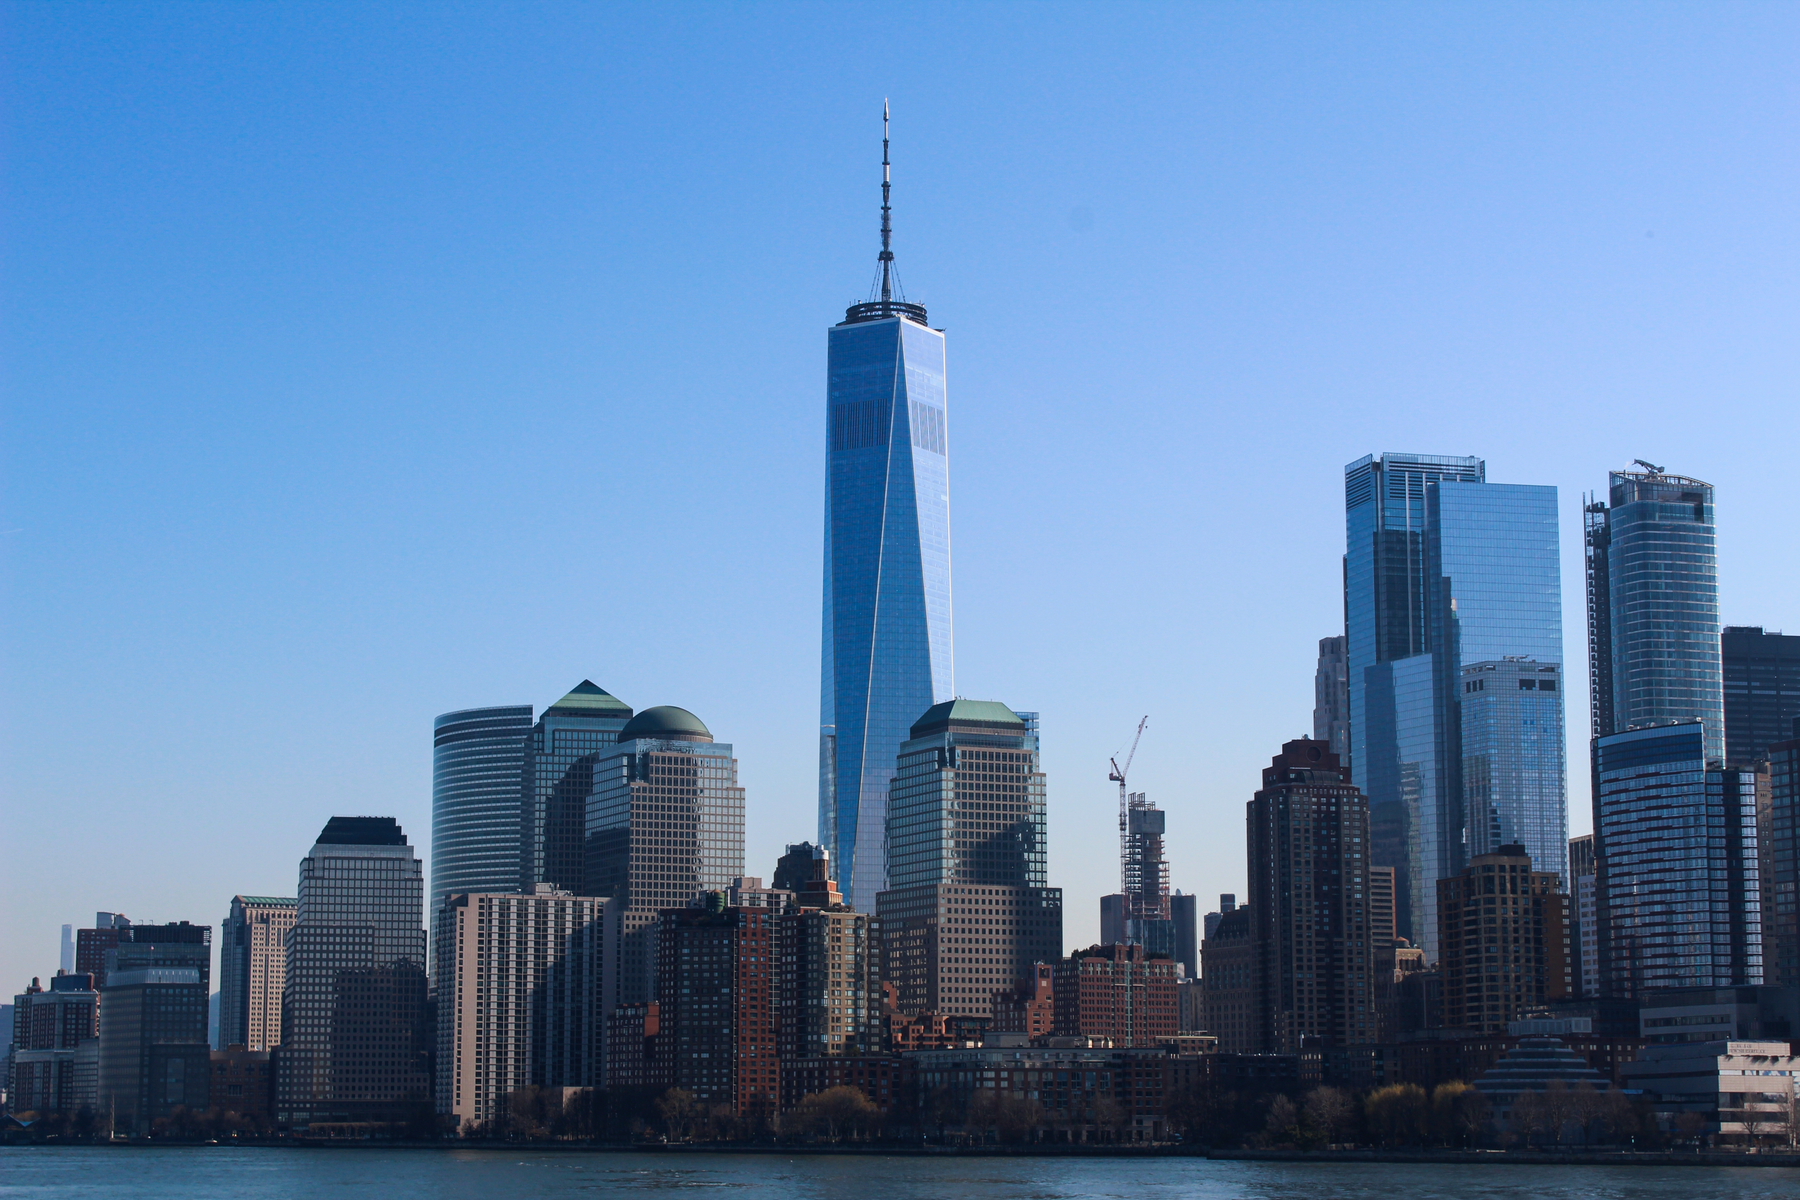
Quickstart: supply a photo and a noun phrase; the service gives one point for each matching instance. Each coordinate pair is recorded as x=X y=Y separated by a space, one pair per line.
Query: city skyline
x=325 y=479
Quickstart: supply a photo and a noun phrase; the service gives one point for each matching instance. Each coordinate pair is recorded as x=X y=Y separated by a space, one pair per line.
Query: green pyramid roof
x=981 y=713
x=590 y=700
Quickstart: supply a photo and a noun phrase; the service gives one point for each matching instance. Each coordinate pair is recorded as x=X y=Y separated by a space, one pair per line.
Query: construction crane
x=1118 y=776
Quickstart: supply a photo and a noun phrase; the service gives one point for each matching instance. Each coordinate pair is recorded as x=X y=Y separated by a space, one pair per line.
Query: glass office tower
x=477 y=758
x=1514 y=773
x=1441 y=568
x=1653 y=605
x=1676 y=847
x=887 y=637
x=560 y=754
x=1385 y=594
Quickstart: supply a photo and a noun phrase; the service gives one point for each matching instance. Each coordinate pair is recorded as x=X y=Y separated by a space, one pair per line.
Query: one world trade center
x=887 y=644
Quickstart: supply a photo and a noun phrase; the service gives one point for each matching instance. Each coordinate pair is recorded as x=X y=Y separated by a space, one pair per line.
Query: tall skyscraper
x=1653 y=605
x=1228 y=975
x=1331 y=696
x=1186 y=911
x=887 y=633
x=153 y=1056
x=1309 y=903
x=571 y=736
x=252 y=970
x=716 y=993
x=477 y=762
x=1584 y=919
x=665 y=822
x=823 y=964
x=355 y=1023
x=1781 y=863
x=1442 y=569
x=1761 y=672
x=1506 y=940
x=967 y=912
x=1514 y=777
x=67 y=959
x=1675 y=844
x=518 y=997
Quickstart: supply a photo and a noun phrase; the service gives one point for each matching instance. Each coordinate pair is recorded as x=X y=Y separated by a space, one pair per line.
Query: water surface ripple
x=232 y=1173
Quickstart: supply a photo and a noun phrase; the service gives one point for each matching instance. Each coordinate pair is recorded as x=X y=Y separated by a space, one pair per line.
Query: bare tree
x=680 y=1113
x=1328 y=1110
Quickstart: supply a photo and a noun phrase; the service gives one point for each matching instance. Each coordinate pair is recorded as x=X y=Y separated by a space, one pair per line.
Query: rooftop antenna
x=887 y=228
x=887 y=298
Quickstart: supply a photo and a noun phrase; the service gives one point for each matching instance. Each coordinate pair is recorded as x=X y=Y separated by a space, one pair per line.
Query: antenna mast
x=887 y=228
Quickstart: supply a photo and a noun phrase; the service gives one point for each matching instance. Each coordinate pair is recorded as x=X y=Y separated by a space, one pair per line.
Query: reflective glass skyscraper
x=1442 y=569
x=560 y=754
x=477 y=761
x=1653 y=605
x=1676 y=842
x=887 y=636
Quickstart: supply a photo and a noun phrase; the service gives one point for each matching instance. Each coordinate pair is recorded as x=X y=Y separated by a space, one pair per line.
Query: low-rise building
x=878 y=1076
x=241 y=1084
x=1741 y=1091
x=1084 y=1094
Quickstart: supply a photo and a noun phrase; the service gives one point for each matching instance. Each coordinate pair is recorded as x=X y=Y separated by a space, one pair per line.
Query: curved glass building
x=1653 y=605
x=477 y=772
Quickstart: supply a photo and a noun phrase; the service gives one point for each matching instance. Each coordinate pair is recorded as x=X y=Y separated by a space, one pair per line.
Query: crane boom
x=1117 y=775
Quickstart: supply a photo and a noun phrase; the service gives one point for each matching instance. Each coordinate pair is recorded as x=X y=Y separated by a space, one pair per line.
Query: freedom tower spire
x=887 y=646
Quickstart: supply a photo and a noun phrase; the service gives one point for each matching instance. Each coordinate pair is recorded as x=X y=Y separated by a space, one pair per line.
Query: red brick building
x=1028 y=1006
x=716 y=993
x=878 y=1076
x=1115 y=992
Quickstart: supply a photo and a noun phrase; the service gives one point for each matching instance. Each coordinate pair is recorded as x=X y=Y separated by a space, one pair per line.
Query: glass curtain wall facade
x=477 y=760
x=1416 y=828
x=1385 y=591
x=1514 y=773
x=887 y=627
x=1441 y=569
x=1653 y=612
x=1676 y=853
x=560 y=754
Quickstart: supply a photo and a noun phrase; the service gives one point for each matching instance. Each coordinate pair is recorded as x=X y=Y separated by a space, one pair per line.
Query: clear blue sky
x=364 y=362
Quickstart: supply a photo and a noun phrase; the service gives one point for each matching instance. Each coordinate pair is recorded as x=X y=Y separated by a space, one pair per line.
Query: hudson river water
x=229 y=1173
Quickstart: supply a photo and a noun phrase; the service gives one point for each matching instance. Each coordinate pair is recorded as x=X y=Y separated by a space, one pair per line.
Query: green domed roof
x=666 y=721
x=588 y=699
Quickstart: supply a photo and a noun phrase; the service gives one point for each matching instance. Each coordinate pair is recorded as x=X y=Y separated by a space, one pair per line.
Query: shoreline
x=1573 y=1157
